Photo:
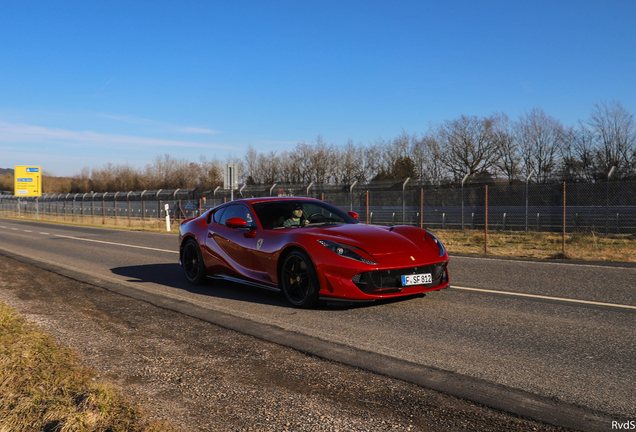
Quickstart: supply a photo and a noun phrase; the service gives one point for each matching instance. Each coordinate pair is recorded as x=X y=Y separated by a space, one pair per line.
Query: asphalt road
x=574 y=341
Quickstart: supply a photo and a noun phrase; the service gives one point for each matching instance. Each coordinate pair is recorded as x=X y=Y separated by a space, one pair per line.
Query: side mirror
x=353 y=215
x=235 y=222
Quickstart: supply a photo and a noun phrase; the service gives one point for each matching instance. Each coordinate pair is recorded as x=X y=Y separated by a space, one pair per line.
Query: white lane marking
x=546 y=297
x=116 y=244
x=14 y=229
x=27 y=231
x=43 y=233
x=2 y=226
x=543 y=262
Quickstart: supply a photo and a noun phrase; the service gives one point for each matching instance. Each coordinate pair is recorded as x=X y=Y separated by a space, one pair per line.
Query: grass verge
x=541 y=245
x=43 y=387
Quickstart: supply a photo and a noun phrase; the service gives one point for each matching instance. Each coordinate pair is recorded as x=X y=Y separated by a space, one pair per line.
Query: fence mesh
x=604 y=208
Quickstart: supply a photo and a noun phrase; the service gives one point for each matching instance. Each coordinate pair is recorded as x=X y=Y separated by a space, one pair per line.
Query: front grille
x=388 y=281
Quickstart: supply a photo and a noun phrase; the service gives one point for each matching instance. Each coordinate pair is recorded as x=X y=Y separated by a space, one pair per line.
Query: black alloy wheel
x=192 y=263
x=299 y=280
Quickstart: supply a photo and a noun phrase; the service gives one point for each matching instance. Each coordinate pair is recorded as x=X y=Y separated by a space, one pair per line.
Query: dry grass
x=42 y=387
x=539 y=245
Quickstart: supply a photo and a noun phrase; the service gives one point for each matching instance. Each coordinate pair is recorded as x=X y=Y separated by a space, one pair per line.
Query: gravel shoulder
x=202 y=377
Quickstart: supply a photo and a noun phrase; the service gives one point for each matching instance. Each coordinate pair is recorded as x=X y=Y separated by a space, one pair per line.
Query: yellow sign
x=28 y=181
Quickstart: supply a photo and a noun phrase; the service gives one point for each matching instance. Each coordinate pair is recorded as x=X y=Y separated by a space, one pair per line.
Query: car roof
x=272 y=199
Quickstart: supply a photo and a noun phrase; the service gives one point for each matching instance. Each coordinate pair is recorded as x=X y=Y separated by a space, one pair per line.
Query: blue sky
x=86 y=83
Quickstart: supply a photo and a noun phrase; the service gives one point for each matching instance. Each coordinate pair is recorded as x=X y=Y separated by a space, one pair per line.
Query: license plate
x=417 y=279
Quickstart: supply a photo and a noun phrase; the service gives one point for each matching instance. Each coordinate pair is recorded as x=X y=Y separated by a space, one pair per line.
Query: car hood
x=376 y=240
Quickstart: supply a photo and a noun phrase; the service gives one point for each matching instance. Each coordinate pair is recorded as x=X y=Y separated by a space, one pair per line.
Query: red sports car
x=310 y=250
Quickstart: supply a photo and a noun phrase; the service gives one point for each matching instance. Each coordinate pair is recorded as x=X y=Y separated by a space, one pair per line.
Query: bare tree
x=80 y=183
x=159 y=172
x=268 y=167
x=104 y=179
x=211 y=174
x=398 y=156
x=186 y=175
x=349 y=164
x=427 y=156
x=614 y=135
x=509 y=161
x=468 y=145
x=577 y=155
x=377 y=165
x=7 y=182
x=299 y=163
x=321 y=161
x=251 y=164
x=128 y=178
x=540 y=139
x=287 y=170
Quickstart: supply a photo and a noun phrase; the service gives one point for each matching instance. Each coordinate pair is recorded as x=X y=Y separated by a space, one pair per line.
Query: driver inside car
x=296 y=220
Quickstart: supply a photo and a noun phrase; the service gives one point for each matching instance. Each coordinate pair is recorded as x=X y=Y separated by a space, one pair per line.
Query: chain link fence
x=604 y=208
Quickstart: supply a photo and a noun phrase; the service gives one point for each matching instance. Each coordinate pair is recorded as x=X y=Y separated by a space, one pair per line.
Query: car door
x=234 y=244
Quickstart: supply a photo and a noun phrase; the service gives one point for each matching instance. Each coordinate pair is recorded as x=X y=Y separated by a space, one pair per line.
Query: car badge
x=412 y=259
x=259 y=243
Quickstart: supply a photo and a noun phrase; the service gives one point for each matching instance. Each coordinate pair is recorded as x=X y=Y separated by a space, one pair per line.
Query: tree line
x=535 y=145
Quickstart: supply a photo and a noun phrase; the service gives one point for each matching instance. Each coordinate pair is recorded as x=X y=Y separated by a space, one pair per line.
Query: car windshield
x=297 y=214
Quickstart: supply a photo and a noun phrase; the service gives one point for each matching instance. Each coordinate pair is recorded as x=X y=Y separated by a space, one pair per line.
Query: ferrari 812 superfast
x=311 y=251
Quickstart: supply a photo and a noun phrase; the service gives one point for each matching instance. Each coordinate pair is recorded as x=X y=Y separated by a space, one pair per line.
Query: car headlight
x=440 y=246
x=346 y=251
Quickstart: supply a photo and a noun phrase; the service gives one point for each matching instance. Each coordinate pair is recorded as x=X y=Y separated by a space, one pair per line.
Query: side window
x=218 y=214
x=237 y=210
x=271 y=215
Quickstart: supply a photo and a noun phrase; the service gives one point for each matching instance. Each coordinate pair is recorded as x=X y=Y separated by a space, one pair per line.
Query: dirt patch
x=202 y=377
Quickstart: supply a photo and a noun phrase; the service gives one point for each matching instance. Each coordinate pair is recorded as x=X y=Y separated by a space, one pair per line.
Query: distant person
x=296 y=220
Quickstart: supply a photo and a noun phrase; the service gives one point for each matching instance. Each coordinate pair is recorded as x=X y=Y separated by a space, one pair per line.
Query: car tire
x=192 y=263
x=298 y=280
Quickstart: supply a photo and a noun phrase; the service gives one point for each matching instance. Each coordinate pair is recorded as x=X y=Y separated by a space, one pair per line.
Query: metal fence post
x=463 y=180
x=214 y=196
x=404 y=200
x=563 y=220
x=351 y=195
x=618 y=231
x=486 y=229
x=527 y=180
x=158 y=202
x=609 y=174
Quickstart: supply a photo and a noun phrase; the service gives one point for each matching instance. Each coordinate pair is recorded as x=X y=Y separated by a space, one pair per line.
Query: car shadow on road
x=171 y=275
